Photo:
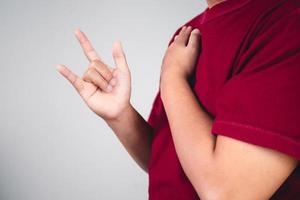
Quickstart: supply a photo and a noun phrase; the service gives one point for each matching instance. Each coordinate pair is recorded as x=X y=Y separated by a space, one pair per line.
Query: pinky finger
x=77 y=82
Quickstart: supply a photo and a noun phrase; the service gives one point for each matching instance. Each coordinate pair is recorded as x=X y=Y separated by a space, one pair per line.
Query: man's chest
x=216 y=65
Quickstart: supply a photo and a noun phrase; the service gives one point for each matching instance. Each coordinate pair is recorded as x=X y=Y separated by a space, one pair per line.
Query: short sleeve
x=260 y=103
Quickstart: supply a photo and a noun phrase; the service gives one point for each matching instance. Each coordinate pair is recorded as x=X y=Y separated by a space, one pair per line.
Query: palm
x=106 y=104
x=109 y=104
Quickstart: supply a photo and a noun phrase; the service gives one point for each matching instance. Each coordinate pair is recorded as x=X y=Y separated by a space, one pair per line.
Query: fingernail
x=196 y=31
x=77 y=31
x=59 y=67
x=109 y=88
x=112 y=82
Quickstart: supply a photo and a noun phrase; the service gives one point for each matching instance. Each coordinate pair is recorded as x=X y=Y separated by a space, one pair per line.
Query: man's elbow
x=216 y=194
x=211 y=194
x=214 y=189
x=227 y=191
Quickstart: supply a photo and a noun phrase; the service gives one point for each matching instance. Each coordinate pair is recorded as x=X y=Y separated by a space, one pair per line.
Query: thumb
x=119 y=56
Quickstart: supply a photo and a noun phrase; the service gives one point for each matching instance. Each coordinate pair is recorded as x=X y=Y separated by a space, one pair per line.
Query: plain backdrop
x=52 y=147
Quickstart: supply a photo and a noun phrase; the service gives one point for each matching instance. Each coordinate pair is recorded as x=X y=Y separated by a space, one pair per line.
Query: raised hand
x=104 y=89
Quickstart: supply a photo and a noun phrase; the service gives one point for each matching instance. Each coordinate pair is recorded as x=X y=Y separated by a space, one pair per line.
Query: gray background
x=51 y=145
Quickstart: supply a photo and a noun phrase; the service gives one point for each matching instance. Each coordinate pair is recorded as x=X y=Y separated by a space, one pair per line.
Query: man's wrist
x=170 y=84
x=124 y=114
x=171 y=80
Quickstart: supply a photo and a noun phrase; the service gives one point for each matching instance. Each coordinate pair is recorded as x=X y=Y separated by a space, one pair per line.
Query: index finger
x=86 y=45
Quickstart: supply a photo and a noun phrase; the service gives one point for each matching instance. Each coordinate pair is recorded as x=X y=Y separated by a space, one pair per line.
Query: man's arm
x=107 y=91
x=135 y=134
x=218 y=167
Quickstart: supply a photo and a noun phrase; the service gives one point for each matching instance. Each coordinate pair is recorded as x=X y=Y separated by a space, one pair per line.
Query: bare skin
x=106 y=91
x=212 y=3
x=95 y=85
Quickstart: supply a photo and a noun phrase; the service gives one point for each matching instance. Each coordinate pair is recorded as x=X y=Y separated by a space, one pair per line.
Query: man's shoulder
x=196 y=20
x=286 y=11
x=277 y=24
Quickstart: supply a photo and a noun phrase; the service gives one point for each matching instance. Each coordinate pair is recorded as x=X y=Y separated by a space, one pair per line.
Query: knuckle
x=79 y=87
x=194 y=48
x=101 y=83
x=108 y=75
x=104 y=84
x=102 y=69
x=98 y=64
x=88 y=73
x=193 y=45
x=94 y=63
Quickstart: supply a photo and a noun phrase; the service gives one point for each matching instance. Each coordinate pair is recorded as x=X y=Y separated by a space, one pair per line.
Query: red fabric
x=247 y=79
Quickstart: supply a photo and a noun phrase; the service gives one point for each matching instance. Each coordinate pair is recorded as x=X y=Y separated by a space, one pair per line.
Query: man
x=225 y=122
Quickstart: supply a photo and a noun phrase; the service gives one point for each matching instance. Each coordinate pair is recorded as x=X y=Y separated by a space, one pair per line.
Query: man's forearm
x=191 y=130
x=135 y=134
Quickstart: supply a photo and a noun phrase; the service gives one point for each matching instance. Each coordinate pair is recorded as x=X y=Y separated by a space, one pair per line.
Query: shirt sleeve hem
x=257 y=136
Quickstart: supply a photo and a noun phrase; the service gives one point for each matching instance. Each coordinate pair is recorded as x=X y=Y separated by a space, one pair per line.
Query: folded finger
x=102 y=68
x=94 y=77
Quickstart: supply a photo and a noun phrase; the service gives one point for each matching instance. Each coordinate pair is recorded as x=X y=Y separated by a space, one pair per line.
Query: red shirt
x=248 y=79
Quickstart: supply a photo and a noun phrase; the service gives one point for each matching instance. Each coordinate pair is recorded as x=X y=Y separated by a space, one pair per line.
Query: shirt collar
x=222 y=8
